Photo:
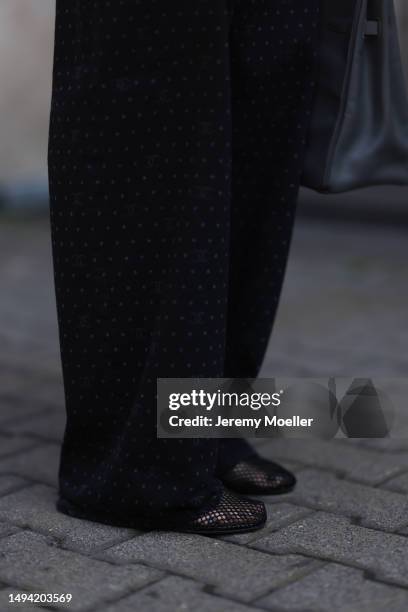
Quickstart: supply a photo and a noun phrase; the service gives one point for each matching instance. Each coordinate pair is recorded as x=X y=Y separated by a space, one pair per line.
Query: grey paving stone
x=48 y=425
x=398 y=484
x=6 y=529
x=27 y=385
x=232 y=570
x=33 y=562
x=34 y=507
x=331 y=320
x=30 y=354
x=13 y=444
x=47 y=389
x=10 y=483
x=335 y=538
x=375 y=508
x=336 y=588
x=279 y=515
x=175 y=593
x=403 y=531
x=359 y=464
x=39 y=464
x=19 y=405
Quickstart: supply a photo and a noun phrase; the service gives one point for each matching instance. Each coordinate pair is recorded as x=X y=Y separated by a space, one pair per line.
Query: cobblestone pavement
x=338 y=543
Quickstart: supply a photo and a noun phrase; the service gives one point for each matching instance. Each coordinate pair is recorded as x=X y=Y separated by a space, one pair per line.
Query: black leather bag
x=359 y=128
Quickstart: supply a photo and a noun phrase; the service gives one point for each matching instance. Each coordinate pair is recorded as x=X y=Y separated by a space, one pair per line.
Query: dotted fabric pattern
x=176 y=142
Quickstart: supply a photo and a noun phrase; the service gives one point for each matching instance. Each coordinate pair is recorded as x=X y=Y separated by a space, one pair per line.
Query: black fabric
x=230 y=513
x=176 y=145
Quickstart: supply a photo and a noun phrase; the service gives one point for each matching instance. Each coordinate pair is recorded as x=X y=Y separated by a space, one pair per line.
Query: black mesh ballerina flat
x=229 y=514
x=232 y=514
x=257 y=476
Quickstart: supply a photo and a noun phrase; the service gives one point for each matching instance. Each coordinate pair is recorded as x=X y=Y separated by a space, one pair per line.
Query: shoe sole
x=70 y=509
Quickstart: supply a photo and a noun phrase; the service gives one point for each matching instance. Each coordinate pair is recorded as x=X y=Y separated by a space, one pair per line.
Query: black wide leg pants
x=176 y=142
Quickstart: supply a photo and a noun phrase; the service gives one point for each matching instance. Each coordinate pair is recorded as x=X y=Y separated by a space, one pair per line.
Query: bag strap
x=372 y=26
x=374 y=13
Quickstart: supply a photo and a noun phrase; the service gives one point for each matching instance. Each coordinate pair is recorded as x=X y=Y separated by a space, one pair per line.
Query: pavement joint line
x=308 y=560
x=284 y=524
x=312 y=510
x=39 y=438
x=143 y=563
x=32 y=481
x=56 y=543
x=13 y=530
x=60 y=541
x=20 y=419
x=35 y=436
x=9 y=396
x=327 y=560
x=154 y=581
x=402 y=472
x=96 y=608
x=104 y=547
x=17 y=487
x=12 y=396
x=51 y=539
x=129 y=592
x=310 y=569
x=20 y=587
x=372 y=576
x=210 y=589
x=354 y=520
x=21 y=371
x=27 y=368
x=20 y=451
x=368 y=575
x=15 y=396
x=94 y=552
x=206 y=587
x=357 y=521
x=343 y=475
x=382 y=451
x=98 y=557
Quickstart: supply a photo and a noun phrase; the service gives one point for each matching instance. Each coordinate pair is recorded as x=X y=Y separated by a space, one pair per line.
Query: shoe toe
x=280 y=480
x=259 y=513
x=259 y=476
x=232 y=514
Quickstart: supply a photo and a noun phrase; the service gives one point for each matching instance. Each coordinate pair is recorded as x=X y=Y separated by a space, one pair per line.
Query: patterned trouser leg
x=175 y=149
x=273 y=50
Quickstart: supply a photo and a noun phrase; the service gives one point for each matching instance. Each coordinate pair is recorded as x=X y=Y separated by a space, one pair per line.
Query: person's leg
x=273 y=48
x=139 y=168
